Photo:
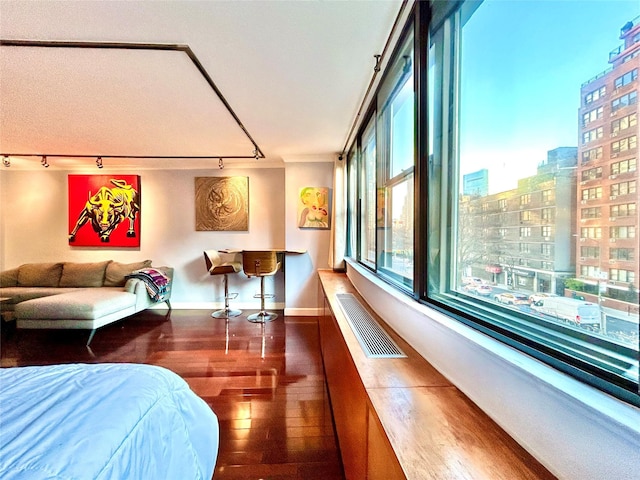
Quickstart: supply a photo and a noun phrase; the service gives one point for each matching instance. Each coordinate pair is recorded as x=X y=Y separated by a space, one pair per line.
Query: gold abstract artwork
x=222 y=204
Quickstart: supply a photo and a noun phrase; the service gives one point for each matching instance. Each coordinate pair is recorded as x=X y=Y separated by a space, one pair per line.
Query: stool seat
x=216 y=266
x=260 y=263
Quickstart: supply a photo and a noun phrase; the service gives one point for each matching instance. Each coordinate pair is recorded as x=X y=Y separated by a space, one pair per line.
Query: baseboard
x=291 y=312
x=303 y=312
x=220 y=305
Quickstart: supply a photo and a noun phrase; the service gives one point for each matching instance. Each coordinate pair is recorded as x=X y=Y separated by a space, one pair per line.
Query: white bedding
x=105 y=421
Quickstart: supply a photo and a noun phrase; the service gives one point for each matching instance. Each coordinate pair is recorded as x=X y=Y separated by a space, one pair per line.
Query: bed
x=104 y=421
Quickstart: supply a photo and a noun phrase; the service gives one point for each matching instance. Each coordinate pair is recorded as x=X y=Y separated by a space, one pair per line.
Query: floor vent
x=375 y=342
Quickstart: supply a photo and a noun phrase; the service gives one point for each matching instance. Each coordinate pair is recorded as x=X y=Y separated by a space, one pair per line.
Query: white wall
x=303 y=292
x=33 y=223
x=576 y=431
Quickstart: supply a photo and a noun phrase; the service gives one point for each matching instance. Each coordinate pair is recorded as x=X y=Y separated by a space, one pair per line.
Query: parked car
x=484 y=290
x=511 y=298
x=533 y=298
x=472 y=281
x=578 y=312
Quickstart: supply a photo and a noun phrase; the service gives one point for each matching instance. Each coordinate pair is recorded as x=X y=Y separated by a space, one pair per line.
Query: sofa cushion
x=83 y=304
x=83 y=274
x=39 y=274
x=116 y=272
x=9 y=278
x=22 y=294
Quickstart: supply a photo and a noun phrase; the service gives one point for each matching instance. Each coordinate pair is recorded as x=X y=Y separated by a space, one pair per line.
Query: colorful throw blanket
x=157 y=282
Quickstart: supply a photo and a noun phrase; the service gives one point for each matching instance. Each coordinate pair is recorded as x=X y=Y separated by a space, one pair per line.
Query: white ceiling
x=294 y=73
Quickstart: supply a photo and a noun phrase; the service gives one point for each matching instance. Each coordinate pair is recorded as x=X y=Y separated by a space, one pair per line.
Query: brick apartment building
x=607 y=175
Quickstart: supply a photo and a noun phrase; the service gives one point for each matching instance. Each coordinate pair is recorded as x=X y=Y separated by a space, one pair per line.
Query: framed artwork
x=313 y=207
x=222 y=204
x=104 y=210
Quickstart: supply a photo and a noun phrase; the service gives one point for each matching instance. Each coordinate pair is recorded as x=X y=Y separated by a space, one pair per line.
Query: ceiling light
x=221 y=164
x=99 y=162
x=6 y=162
x=44 y=162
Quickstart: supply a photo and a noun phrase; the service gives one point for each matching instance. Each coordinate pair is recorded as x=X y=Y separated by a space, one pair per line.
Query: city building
x=607 y=194
x=476 y=183
x=527 y=241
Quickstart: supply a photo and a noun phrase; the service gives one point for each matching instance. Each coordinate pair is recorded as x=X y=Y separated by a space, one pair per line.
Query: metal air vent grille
x=375 y=342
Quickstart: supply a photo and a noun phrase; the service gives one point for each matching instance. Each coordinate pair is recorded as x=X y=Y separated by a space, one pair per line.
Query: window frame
x=437 y=124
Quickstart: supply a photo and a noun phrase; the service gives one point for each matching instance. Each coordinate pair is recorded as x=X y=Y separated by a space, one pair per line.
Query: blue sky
x=523 y=62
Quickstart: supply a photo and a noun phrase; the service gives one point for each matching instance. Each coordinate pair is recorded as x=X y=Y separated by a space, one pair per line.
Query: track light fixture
x=99 y=162
x=44 y=162
x=220 y=163
x=6 y=162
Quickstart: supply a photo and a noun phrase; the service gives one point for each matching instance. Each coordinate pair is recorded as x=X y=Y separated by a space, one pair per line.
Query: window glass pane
x=535 y=231
x=396 y=139
x=367 y=191
x=352 y=205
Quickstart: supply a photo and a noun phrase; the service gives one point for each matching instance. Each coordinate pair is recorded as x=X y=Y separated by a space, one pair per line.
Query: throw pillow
x=83 y=274
x=9 y=278
x=39 y=275
x=116 y=272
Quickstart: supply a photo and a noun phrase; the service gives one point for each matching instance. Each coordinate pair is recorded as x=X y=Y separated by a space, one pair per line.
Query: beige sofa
x=77 y=295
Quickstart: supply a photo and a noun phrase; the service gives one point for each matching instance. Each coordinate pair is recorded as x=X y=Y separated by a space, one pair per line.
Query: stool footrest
x=266 y=295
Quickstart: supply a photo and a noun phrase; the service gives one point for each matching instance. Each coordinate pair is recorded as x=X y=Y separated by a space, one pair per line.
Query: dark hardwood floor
x=264 y=382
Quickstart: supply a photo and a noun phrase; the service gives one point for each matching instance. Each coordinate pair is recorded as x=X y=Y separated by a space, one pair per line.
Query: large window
x=495 y=164
x=396 y=120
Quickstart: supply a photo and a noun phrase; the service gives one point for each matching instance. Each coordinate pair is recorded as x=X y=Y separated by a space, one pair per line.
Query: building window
x=546 y=231
x=624 y=166
x=623 y=123
x=547 y=196
x=590 y=252
x=591 y=174
x=627 y=276
x=595 y=95
x=591 y=154
x=626 y=79
x=502 y=204
x=622 y=210
x=624 y=144
x=545 y=249
x=547 y=215
x=525 y=215
x=622 y=232
x=623 y=188
x=525 y=232
x=630 y=98
x=591 y=232
x=592 y=193
x=592 y=212
x=592 y=115
x=525 y=199
x=525 y=248
x=591 y=135
x=622 y=254
x=589 y=271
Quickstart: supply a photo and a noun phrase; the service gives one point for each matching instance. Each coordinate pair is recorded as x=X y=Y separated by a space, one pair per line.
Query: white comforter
x=106 y=421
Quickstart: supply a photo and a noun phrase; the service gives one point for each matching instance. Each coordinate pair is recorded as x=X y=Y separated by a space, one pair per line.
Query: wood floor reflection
x=264 y=382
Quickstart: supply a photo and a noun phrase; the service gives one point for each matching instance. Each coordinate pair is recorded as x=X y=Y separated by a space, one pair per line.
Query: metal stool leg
x=226 y=312
x=262 y=316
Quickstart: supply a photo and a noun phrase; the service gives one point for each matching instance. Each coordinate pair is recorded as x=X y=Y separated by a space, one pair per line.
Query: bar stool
x=259 y=263
x=216 y=266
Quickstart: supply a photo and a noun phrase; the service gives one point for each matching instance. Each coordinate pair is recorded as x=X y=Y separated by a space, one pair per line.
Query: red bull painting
x=104 y=210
